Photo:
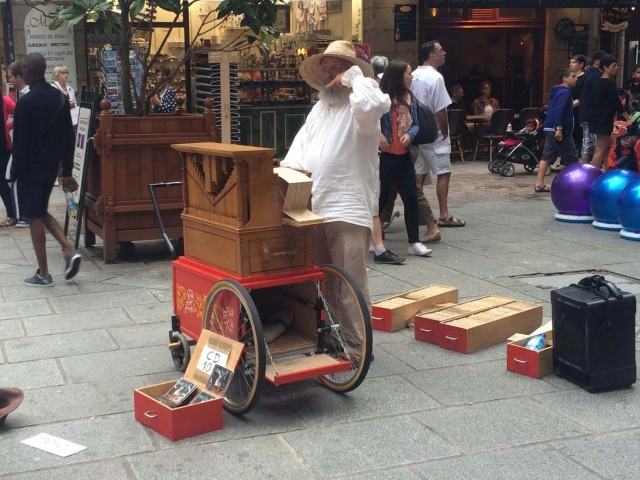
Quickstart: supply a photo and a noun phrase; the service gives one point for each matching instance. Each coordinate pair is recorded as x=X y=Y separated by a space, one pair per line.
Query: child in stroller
x=524 y=147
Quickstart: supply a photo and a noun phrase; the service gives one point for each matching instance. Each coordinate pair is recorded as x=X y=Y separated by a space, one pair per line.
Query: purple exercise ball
x=570 y=189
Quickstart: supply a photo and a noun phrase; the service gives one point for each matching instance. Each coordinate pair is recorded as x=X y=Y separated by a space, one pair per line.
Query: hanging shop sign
x=405 y=19
x=56 y=46
x=532 y=3
x=614 y=19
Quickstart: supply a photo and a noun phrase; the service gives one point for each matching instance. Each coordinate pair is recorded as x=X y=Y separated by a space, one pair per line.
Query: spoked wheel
x=231 y=312
x=182 y=354
x=351 y=339
x=491 y=166
x=507 y=170
x=530 y=167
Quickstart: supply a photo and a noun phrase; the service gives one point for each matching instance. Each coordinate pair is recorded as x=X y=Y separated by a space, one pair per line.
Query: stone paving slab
x=464 y=384
x=613 y=455
x=58 y=346
x=139 y=281
x=30 y=375
x=141 y=335
x=541 y=263
x=601 y=412
x=532 y=463
x=368 y=445
x=498 y=424
x=425 y=356
x=96 y=301
x=70 y=402
x=105 y=437
x=487 y=246
x=151 y=313
x=18 y=292
x=24 y=309
x=394 y=474
x=111 y=470
x=117 y=364
x=386 y=365
x=376 y=397
x=10 y=279
x=11 y=329
x=76 y=322
x=257 y=458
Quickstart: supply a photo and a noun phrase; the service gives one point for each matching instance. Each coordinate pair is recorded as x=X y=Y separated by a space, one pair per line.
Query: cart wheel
x=182 y=354
x=530 y=167
x=507 y=170
x=548 y=172
x=346 y=312
x=230 y=312
x=490 y=166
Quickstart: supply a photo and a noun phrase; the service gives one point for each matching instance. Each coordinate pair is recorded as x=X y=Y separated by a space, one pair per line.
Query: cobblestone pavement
x=80 y=348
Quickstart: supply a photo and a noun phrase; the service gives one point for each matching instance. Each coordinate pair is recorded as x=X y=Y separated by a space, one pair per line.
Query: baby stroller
x=523 y=148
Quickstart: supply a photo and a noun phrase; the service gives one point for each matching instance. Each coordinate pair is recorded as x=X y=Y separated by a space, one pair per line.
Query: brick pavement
x=80 y=348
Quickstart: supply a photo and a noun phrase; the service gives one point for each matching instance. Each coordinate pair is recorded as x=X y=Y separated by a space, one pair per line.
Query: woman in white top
x=60 y=77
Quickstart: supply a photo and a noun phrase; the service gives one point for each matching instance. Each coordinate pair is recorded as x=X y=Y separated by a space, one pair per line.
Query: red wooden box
x=532 y=363
x=188 y=420
x=428 y=322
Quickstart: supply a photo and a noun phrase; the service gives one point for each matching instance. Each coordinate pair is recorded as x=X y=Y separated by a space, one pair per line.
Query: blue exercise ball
x=629 y=211
x=604 y=195
x=570 y=192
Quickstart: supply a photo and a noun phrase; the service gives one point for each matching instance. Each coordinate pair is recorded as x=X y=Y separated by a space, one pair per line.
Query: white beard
x=334 y=96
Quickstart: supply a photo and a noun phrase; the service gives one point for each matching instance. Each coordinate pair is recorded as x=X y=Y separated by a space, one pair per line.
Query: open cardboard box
x=188 y=420
x=532 y=363
x=428 y=322
x=392 y=314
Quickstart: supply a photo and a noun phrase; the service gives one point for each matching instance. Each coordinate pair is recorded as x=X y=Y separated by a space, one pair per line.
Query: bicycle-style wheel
x=350 y=338
x=231 y=312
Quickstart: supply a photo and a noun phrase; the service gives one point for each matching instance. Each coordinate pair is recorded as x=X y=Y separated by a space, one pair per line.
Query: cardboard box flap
x=295 y=192
x=212 y=349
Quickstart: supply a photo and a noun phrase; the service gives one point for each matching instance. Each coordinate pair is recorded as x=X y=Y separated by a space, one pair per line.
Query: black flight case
x=594 y=334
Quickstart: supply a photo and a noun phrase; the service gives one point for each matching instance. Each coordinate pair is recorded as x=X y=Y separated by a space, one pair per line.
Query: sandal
x=542 y=189
x=9 y=222
x=451 y=222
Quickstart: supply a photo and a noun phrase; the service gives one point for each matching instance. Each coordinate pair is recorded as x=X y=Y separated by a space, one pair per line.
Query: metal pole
x=187 y=43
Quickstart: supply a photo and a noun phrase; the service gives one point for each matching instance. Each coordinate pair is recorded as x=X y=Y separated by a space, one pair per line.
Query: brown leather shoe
x=434 y=238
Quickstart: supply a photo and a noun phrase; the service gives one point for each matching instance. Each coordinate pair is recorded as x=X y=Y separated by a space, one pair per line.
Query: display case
x=272 y=87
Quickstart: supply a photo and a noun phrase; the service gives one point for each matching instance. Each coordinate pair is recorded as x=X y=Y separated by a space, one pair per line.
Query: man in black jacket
x=590 y=78
x=43 y=137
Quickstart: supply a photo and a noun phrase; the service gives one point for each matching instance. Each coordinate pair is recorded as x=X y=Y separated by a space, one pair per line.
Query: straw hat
x=10 y=399
x=311 y=70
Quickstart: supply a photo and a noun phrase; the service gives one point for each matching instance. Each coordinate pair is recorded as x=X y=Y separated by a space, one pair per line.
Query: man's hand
x=337 y=82
x=70 y=183
x=405 y=140
x=559 y=135
x=384 y=145
x=72 y=104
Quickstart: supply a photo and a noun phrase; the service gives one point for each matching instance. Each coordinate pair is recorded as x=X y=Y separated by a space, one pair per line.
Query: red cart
x=244 y=272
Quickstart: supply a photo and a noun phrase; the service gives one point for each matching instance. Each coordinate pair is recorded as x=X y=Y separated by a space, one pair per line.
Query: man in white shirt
x=428 y=87
x=338 y=147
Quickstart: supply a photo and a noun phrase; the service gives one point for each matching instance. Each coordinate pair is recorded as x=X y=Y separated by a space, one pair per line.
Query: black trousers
x=399 y=169
x=5 y=189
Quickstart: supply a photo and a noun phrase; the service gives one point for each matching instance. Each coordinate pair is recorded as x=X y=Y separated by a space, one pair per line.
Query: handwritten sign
x=56 y=46
x=404 y=19
x=210 y=357
x=55 y=445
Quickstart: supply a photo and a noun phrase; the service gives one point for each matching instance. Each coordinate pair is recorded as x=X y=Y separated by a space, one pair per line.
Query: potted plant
x=134 y=150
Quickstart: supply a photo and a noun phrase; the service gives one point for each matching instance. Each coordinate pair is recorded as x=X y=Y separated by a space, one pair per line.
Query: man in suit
x=43 y=137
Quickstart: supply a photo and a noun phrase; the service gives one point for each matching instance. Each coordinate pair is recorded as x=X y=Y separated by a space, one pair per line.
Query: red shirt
x=395 y=147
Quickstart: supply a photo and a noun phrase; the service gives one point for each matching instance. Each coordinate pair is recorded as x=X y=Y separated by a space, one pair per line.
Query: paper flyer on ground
x=55 y=445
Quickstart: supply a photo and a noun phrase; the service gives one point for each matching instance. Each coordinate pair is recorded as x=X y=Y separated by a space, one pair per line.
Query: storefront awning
x=531 y=3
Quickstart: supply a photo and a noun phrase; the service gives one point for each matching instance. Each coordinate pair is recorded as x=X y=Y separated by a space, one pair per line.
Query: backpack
x=428 y=128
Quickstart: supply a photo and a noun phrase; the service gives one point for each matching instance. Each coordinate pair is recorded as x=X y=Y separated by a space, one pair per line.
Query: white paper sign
x=55 y=445
x=210 y=358
x=56 y=46
x=80 y=152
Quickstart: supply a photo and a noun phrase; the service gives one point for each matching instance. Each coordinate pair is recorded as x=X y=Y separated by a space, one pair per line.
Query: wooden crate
x=392 y=314
x=532 y=363
x=484 y=329
x=427 y=322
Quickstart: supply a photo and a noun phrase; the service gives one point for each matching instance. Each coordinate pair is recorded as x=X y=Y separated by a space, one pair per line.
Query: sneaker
x=389 y=258
x=38 y=281
x=71 y=264
x=22 y=222
x=371 y=247
x=420 y=250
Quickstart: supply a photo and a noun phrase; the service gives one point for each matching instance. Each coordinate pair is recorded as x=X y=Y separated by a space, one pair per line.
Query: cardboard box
x=188 y=420
x=411 y=321
x=392 y=314
x=532 y=363
x=484 y=329
x=295 y=192
x=427 y=322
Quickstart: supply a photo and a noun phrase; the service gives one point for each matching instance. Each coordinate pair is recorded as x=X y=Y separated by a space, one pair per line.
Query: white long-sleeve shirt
x=338 y=145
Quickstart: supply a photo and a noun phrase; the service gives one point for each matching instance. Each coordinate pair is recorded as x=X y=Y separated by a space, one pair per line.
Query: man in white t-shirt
x=428 y=87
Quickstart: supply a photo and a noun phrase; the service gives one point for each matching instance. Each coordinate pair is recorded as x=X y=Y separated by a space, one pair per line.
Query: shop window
x=516 y=13
x=482 y=14
x=444 y=14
